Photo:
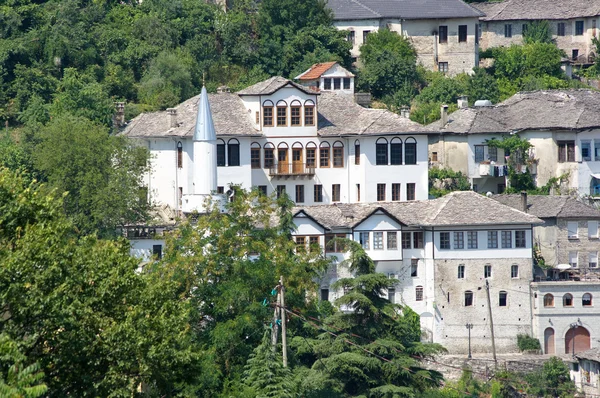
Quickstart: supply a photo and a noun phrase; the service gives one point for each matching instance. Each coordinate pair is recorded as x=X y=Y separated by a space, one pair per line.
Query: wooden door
x=549 y=341
x=297 y=164
x=283 y=166
x=579 y=336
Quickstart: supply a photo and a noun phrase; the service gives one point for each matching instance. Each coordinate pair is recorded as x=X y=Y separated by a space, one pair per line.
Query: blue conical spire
x=205 y=129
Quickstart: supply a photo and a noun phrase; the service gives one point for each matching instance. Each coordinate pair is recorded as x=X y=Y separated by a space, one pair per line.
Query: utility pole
x=469 y=326
x=283 y=326
x=487 y=289
x=275 y=328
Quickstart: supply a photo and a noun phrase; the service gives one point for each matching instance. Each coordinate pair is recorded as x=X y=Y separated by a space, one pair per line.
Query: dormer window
x=327 y=83
x=295 y=113
x=268 y=114
x=337 y=84
x=281 y=114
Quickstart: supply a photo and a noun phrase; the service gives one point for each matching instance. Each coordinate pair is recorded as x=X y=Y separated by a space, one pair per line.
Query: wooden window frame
x=298 y=117
x=411 y=191
x=324 y=154
x=336 y=192
x=318 y=193
x=338 y=155
x=282 y=115
x=309 y=114
x=255 y=159
x=268 y=116
x=396 y=191
x=381 y=192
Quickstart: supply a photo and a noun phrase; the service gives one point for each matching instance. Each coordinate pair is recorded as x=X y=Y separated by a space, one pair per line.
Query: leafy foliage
x=526 y=342
x=443 y=181
x=538 y=32
x=16 y=379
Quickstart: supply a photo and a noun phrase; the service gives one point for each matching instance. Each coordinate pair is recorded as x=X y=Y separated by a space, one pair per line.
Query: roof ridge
x=366 y=7
x=443 y=202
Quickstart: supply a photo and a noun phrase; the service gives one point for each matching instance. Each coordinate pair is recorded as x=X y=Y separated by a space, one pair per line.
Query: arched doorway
x=549 y=341
x=579 y=336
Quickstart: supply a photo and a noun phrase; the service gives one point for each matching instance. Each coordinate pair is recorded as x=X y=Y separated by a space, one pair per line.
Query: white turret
x=205 y=149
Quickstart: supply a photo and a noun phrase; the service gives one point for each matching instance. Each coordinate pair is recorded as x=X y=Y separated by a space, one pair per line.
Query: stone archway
x=580 y=337
x=549 y=341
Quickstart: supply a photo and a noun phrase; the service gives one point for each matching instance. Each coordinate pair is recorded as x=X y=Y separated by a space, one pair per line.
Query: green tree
x=101 y=173
x=538 y=32
x=443 y=181
x=482 y=86
x=18 y=380
x=518 y=150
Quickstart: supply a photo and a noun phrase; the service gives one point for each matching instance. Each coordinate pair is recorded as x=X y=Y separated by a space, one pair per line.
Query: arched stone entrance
x=580 y=337
x=549 y=341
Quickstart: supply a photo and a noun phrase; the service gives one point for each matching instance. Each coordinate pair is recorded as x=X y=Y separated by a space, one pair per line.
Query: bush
x=526 y=342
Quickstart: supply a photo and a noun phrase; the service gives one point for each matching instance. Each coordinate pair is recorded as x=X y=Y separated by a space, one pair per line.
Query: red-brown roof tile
x=316 y=71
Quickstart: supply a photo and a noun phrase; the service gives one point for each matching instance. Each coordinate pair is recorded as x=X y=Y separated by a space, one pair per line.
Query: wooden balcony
x=292 y=170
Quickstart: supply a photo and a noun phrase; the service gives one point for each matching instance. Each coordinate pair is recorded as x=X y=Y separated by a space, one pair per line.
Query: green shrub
x=526 y=342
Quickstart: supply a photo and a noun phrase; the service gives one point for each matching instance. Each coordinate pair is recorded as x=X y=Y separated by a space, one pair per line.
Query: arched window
x=220 y=152
x=255 y=155
x=586 y=300
x=502 y=299
x=281 y=114
x=419 y=293
x=381 y=152
x=233 y=152
x=568 y=300
x=309 y=113
x=269 y=155
x=296 y=113
x=283 y=161
x=268 y=113
x=179 y=155
x=324 y=154
x=311 y=154
x=357 y=152
x=338 y=154
x=410 y=151
x=468 y=298
x=396 y=151
x=549 y=341
x=548 y=300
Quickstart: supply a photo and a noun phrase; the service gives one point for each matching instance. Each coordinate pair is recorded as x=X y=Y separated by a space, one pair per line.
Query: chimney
x=405 y=112
x=223 y=89
x=524 y=201
x=444 y=114
x=463 y=102
x=119 y=119
x=363 y=99
x=171 y=118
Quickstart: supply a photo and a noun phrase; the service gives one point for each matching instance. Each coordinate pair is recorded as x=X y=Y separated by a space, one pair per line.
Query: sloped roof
x=547 y=206
x=315 y=71
x=544 y=109
x=538 y=9
x=405 y=9
x=592 y=354
x=454 y=209
x=271 y=85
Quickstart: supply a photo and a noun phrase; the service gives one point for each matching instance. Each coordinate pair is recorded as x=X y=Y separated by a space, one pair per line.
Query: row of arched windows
x=327 y=154
x=568 y=301
x=294 y=115
x=391 y=152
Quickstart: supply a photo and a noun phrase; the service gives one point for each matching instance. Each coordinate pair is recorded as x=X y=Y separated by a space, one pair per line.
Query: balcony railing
x=292 y=169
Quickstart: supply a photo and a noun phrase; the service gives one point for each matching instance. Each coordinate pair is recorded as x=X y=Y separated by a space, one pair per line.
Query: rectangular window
x=392 y=295
x=220 y=155
x=520 y=239
x=586 y=150
x=472 y=239
x=395 y=153
x=299 y=193
x=392 y=240
x=410 y=191
x=462 y=33
x=444 y=240
x=487 y=271
x=459 y=240
x=269 y=157
x=524 y=29
x=281 y=116
x=395 y=192
x=566 y=151
x=443 y=32
x=365 y=34
x=268 y=116
x=157 y=252
x=380 y=192
x=502 y=299
x=358 y=192
x=572 y=227
x=434 y=156
x=300 y=244
x=468 y=299
x=220 y=190
x=579 y=28
x=508 y=30
x=318 y=193
x=327 y=83
x=574 y=54
x=410 y=152
x=377 y=240
x=351 y=37
x=332 y=246
x=381 y=154
x=363 y=239
x=506 y=239
x=257 y=118
x=262 y=189
x=560 y=29
x=255 y=158
x=233 y=154
x=414 y=267
x=337 y=84
x=310 y=157
x=324 y=294
x=573 y=257
x=592 y=229
x=418 y=240
x=338 y=157
x=406 y=240
x=179 y=156
x=493 y=153
x=309 y=115
x=593 y=260
x=514 y=271
x=313 y=244
x=356 y=153
x=323 y=157
x=461 y=271
x=295 y=116
x=346 y=83
x=443 y=67
x=419 y=293
x=280 y=191
x=479 y=149
x=335 y=192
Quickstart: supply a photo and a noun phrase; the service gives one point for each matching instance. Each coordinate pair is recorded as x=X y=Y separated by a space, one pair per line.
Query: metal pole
x=487 y=289
x=469 y=327
x=283 y=326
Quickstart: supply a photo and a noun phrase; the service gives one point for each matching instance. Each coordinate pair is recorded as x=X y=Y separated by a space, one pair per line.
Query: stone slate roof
x=538 y=9
x=592 y=354
x=546 y=206
x=338 y=114
x=271 y=85
x=454 y=209
x=405 y=9
x=544 y=109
